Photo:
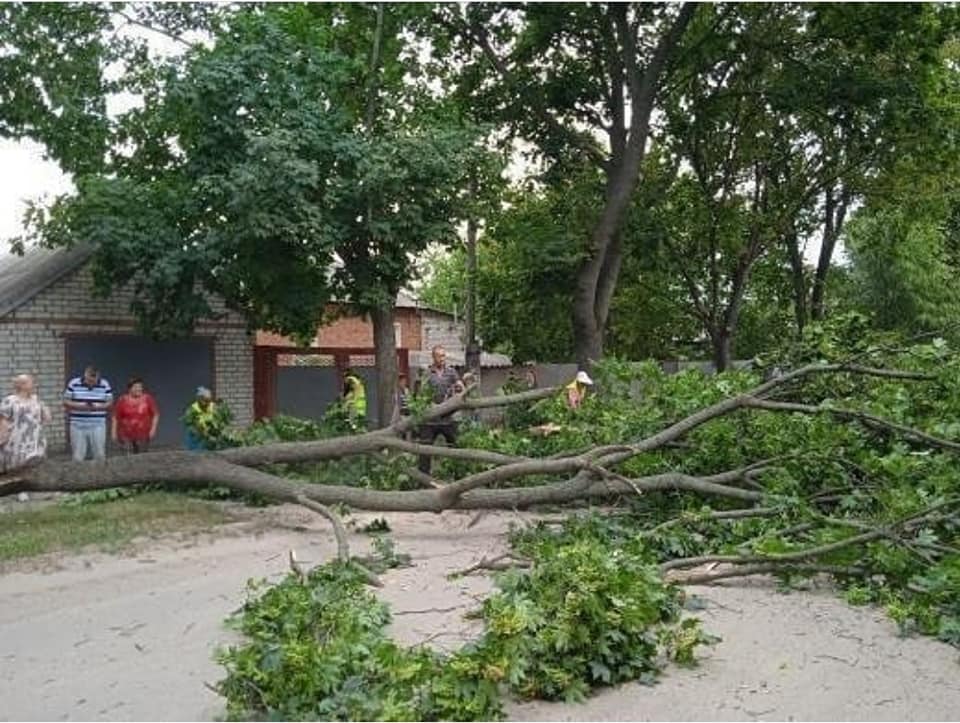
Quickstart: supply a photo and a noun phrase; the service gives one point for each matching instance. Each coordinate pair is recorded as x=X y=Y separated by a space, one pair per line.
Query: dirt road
x=131 y=638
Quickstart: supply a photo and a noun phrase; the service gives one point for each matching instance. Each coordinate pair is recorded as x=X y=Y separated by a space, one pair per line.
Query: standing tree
x=580 y=82
x=287 y=165
x=800 y=103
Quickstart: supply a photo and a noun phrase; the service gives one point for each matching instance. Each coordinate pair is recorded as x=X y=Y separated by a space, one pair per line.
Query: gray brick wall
x=441 y=329
x=32 y=341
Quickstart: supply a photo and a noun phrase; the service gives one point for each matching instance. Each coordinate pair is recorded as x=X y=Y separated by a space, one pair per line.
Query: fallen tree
x=847 y=469
x=593 y=470
x=501 y=480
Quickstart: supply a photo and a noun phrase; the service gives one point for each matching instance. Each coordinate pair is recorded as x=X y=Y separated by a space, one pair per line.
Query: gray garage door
x=172 y=371
x=308 y=392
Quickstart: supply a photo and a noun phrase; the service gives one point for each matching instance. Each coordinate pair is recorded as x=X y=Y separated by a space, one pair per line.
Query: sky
x=24 y=176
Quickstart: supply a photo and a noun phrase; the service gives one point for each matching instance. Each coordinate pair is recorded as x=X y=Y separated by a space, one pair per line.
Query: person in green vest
x=355 y=399
x=201 y=420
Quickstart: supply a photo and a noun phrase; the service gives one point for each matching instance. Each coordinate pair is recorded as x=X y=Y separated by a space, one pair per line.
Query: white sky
x=25 y=176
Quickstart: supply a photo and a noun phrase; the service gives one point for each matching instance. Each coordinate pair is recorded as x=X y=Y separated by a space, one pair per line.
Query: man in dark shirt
x=441 y=381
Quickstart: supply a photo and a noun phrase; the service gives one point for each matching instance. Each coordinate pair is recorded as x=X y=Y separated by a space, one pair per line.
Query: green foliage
x=96 y=497
x=284 y=428
x=254 y=164
x=52 y=84
x=317 y=650
x=587 y=614
x=903 y=271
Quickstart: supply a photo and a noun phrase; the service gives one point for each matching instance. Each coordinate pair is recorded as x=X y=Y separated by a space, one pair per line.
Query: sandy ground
x=94 y=637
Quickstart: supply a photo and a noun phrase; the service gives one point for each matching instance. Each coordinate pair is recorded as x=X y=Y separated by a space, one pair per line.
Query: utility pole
x=473 y=348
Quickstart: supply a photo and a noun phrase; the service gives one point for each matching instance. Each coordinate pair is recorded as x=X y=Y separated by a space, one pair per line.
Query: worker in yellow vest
x=576 y=391
x=355 y=399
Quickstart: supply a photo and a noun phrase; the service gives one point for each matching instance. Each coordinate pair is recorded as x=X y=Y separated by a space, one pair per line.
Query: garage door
x=172 y=371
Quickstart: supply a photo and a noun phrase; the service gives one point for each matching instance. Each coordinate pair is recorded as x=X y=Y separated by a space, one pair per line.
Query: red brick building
x=302 y=381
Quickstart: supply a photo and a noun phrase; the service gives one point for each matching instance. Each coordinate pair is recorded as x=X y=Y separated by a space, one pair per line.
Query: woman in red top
x=135 y=418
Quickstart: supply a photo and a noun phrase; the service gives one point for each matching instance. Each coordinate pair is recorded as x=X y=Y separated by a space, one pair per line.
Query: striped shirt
x=78 y=391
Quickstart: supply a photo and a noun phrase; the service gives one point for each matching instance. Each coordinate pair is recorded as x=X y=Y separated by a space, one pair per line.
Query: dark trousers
x=136 y=446
x=429 y=433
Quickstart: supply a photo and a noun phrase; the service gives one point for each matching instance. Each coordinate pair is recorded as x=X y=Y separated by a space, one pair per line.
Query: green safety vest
x=202 y=418
x=357 y=396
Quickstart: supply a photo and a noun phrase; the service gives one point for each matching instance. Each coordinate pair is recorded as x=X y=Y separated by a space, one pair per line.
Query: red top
x=135 y=417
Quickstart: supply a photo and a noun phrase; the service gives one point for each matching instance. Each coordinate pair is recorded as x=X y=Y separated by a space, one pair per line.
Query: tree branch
x=868 y=420
x=706 y=578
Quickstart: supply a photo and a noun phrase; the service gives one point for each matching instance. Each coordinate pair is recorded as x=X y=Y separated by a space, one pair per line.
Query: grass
x=107 y=526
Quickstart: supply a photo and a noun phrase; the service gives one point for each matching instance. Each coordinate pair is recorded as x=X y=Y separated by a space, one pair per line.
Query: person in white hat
x=577 y=389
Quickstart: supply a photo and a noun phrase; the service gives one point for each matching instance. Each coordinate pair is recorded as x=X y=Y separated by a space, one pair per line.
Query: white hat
x=204 y=393
x=584 y=378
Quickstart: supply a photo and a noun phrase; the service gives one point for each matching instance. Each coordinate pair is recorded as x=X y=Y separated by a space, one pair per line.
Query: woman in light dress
x=22 y=416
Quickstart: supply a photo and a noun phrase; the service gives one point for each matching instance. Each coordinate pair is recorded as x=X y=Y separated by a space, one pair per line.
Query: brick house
x=418 y=329
x=51 y=325
x=304 y=381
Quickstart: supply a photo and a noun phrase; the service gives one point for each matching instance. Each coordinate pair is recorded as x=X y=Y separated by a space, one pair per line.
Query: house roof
x=409 y=300
x=23 y=277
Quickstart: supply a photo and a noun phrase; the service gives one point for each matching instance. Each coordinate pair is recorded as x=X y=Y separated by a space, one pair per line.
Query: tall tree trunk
x=835 y=212
x=384 y=335
x=722 y=341
x=385 y=352
x=597 y=276
x=473 y=348
x=799 y=282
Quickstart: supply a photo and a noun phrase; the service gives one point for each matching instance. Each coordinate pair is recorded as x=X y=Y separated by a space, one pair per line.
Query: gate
x=303 y=382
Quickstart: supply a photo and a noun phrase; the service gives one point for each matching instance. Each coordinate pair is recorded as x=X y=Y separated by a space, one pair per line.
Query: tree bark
x=835 y=212
x=722 y=345
x=597 y=276
x=385 y=353
x=799 y=279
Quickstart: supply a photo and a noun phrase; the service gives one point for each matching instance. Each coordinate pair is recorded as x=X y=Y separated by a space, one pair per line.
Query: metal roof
x=408 y=300
x=23 y=277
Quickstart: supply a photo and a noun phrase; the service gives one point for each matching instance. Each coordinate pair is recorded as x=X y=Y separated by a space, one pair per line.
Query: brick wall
x=441 y=329
x=32 y=340
x=355 y=331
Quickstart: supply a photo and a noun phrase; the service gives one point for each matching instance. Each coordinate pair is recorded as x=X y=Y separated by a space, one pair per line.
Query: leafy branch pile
x=584 y=616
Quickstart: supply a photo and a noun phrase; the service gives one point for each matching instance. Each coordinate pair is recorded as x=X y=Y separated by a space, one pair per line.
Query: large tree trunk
x=835 y=212
x=385 y=350
x=799 y=279
x=597 y=276
x=722 y=345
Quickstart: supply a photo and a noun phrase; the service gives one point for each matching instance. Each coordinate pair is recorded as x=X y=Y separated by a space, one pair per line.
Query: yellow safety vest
x=357 y=396
x=202 y=417
x=574 y=386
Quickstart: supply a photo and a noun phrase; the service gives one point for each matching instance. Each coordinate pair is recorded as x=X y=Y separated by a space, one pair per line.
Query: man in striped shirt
x=87 y=401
